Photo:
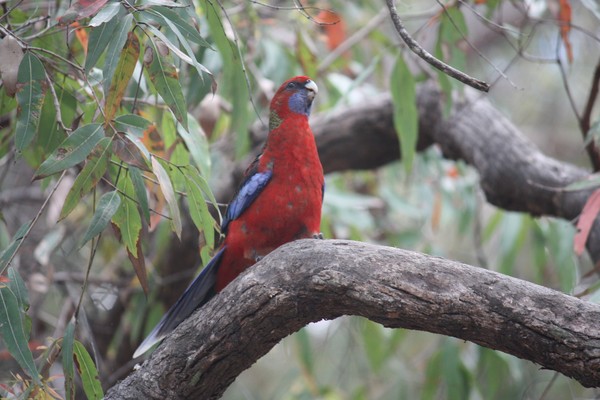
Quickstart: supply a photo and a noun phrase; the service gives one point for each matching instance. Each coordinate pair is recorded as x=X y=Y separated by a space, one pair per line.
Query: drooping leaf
x=132 y=123
x=402 y=86
x=234 y=80
x=164 y=14
x=107 y=207
x=189 y=59
x=586 y=220
x=163 y=74
x=333 y=26
x=100 y=37
x=129 y=152
x=140 y=192
x=80 y=9
x=305 y=55
x=73 y=150
x=106 y=14
x=88 y=372
x=50 y=134
x=67 y=361
x=113 y=52
x=564 y=19
x=122 y=75
x=139 y=265
x=199 y=209
x=167 y=189
x=89 y=176
x=451 y=33
x=13 y=332
x=127 y=218
x=197 y=144
x=16 y=284
x=31 y=89
x=10 y=250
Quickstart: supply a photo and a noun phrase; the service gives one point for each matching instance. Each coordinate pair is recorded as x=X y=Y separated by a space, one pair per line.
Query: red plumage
x=279 y=201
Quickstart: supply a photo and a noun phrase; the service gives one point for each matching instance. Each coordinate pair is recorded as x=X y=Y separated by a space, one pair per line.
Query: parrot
x=278 y=201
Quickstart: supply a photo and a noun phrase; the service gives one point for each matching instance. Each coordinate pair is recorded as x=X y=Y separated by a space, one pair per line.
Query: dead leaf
x=11 y=55
x=586 y=220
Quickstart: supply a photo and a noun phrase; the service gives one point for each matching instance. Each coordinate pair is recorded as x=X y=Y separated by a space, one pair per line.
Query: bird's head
x=295 y=96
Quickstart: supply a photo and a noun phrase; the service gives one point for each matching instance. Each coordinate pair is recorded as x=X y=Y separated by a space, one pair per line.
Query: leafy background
x=127 y=116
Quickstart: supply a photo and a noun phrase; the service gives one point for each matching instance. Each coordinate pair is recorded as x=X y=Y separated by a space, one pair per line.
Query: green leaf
x=188 y=32
x=113 y=52
x=132 y=123
x=589 y=182
x=375 y=345
x=89 y=176
x=106 y=14
x=50 y=134
x=10 y=250
x=122 y=75
x=189 y=59
x=197 y=144
x=16 y=284
x=67 y=361
x=100 y=37
x=129 y=152
x=163 y=74
x=199 y=209
x=192 y=174
x=454 y=372
x=88 y=372
x=140 y=192
x=107 y=207
x=72 y=150
x=167 y=189
x=406 y=118
x=31 y=89
x=234 y=80
x=127 y=218
x=305 y=351
x=13 y=329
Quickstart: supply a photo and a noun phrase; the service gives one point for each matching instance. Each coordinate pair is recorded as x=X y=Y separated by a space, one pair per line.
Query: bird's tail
x=199 y=292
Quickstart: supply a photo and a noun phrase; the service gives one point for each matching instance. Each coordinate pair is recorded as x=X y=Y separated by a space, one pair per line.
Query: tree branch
x=310 y=280
x=431 y=60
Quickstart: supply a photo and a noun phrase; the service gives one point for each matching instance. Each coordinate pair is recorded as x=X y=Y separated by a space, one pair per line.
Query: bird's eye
x=291 y=85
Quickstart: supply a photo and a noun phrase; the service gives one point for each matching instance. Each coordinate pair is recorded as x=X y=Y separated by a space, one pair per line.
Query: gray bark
x=310 y=280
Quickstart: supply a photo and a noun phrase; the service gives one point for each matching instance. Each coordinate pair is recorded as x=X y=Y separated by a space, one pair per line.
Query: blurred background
x=539 y=58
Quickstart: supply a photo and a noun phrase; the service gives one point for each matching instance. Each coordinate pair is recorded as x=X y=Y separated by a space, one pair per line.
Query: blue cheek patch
x=299 y=103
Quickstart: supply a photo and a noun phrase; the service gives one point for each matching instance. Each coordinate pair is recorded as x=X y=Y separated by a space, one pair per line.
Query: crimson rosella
x=279 y=201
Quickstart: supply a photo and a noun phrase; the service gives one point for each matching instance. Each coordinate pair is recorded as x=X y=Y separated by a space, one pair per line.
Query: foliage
x=119 y=110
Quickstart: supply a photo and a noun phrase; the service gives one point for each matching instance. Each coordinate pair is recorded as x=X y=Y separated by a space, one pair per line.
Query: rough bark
x=310 y=280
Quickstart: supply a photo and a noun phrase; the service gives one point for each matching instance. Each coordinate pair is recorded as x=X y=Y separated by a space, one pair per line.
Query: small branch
x=37 y=217
x=585 y=122
x=421 y=52
x=310 y=280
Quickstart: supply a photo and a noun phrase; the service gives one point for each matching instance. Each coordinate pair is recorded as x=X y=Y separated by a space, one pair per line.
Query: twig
x=585 y=120
x=59 y=119
x=17 y=4
x=37 y=217
x=475 y=49
x=422 y=53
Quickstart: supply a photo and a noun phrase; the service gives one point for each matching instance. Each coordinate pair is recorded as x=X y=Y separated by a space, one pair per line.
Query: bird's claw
x=318 y=235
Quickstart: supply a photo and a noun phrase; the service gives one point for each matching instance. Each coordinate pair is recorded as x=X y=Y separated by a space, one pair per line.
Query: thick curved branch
x=310 y=280
x=514 y=174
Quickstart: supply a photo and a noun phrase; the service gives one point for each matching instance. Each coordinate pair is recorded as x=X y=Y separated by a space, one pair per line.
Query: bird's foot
x=318 y=235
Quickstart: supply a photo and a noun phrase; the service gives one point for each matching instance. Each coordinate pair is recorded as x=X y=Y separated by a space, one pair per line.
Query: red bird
x=279 y=201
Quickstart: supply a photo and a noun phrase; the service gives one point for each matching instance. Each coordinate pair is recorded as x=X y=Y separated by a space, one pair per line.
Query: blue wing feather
x=198 y=293
x=247 y=193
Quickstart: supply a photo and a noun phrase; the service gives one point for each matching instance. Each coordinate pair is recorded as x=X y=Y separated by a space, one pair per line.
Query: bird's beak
x=312 y=89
